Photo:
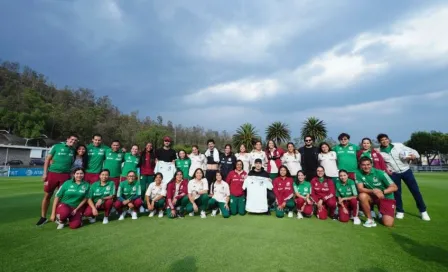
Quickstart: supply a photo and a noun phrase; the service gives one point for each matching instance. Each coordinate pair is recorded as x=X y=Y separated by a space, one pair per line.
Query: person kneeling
x=177 y=196
x=101 y=196
x=155 y=196
x=128 y=195
x=323 y=194
x=302 y=190
x=284 y=193
x=347 y=195
x=220 y=197
x=376 y=187
x=198 y=194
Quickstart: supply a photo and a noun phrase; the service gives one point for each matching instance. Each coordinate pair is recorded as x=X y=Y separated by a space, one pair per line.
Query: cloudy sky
x=362 y=66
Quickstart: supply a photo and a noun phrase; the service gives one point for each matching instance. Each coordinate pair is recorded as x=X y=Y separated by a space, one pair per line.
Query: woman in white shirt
x=198 y=160
x=244 y=157
x=198 y=194
x=220 y=197
x=292 y=160
x=155 y=196
x=328 y=160
x=258 y=153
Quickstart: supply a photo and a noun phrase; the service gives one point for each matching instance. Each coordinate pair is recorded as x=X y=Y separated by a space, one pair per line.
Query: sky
x=364 y=67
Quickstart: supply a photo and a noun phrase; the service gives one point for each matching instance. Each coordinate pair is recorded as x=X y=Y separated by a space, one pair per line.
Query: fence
x=7 y=171
x=427 y=168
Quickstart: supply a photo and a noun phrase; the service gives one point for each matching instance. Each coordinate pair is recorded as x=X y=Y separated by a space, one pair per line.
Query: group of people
x=330 y=182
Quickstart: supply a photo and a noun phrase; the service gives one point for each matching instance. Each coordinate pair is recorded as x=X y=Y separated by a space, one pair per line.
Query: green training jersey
x=346 y=190
x=72 y=194
x=303 y=188
x=346 y=156
x=130 y=164
x=376 y=179
x=367 y=154
x=98 y=191
x=113 y=161
x=96 y=155
x=184 y=166
x=129 y=191
x=62 y=158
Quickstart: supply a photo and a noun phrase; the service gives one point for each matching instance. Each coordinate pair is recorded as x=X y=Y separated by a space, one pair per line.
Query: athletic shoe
x=214 y=212
x=180 y=215
x=60 y=226
x=203 y=214
x=123 y=214
x=369 y=223
x=160 y=214
x=41 y=221
x=129 y=211
x=92 y=220
x=152 y=213
x=399 y=215
x=142 y=210
x=356 y=221
x=425 y=216
x=299 y=215
x=335 y=217
x=191 y=214
x=373 y=214
x=290 y=214
x=105 y=220
x=134 y=215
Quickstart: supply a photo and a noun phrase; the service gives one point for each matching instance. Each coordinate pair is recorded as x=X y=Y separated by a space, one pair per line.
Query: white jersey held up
x=256 y=188
x=167 y=169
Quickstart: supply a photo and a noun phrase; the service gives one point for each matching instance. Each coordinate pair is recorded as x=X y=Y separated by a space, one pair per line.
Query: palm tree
x=314 y=127
x=278 y=132
x=246 y=134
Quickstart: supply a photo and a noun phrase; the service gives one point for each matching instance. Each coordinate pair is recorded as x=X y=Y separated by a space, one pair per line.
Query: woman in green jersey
x=183 y=163
x=131 y=162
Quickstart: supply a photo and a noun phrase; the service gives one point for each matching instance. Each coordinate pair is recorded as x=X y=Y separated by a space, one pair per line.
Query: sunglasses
x=308 y=140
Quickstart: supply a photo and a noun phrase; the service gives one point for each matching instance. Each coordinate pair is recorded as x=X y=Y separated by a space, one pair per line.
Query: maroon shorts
x=386 y=206
x=351 y=176
x=91 y=177
x=54 y=180
x=116 y=182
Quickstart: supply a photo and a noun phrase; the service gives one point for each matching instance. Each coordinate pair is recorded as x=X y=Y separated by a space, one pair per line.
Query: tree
x=278 y=132
x=315 y=128
x=154 y=134
x=429 y=144
x=246 y=134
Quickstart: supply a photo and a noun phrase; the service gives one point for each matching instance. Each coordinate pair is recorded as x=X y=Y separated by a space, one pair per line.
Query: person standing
x=347 y=195
x=213 y=159
x=155 y=196
x=101 y=196
x=130 y=163
x=368 y=151
x=235 y=179
x=292 y=160
x=54 y=175
x=220 y=197
x=177 y=196
x=328 y=160
x=273 y=154
x=198 y=160
x=244 y=157
x=302 y=190
x=397 y=157
x=284 y=193
x=128 y=195
x=258 y=153
x=147 y=165
x=96 y=153
x=166 y=157
x=258 y=186
x=346 y=155
x=183 y=162
x=80 y=160
x=113 y=161
x=227 y=162
x=323 y=194
x=309 y=155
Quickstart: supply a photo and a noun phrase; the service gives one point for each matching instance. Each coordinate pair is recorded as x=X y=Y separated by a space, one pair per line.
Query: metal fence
x=427 y=168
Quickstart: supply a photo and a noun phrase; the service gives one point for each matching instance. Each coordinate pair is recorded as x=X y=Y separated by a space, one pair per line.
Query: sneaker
x=105 y=220
x=299 y=215
x=152 y=213
x=290 y=214
x=41 y=221
x=134 y=215
x=191 y=214
x=60 y=226
x=123 y=214
x=142 y=210
x=160 y=214
x=214 y=212
x=373 y=214
x=369 y=223
x=399 y=215
x=180 y=215
x=356 y=221
x=425 y=216
x=335 y=217
x=129 y=211
x=203 y=214
x=92 y=220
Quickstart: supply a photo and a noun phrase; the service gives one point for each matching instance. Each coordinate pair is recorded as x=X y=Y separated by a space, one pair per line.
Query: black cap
x=258 y=161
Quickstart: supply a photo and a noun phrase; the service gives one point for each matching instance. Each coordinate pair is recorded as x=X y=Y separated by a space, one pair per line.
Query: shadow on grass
x=187 y=264
x=426 y=253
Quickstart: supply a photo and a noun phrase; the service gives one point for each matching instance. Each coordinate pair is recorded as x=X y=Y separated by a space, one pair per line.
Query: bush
x=178 y=147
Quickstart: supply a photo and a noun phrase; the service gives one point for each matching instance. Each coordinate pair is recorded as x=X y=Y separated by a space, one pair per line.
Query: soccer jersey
x=197 y=161
x=195 y=186
x=221 y=191
x=72 y=194
x=96 y=155
x=155 y=190
x=184 y=166
x=130 y=164
x=329 y=162
x=113 y=162
x=62 y=158
x=346 y=190
x=98 y=191
x=376 y=179
x=346 y=155
x=292 y=162
x=167 y=169
x=258 y=155
x=129 y=191
x=245 y=158
x=256 y=188
x=303 y=188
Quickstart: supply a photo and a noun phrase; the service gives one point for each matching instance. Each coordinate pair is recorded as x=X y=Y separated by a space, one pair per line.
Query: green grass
x=249 y=243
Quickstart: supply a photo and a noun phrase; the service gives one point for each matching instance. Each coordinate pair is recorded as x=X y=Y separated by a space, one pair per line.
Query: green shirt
x=62 y=158
x=346 y=190
x=367 y=154
x=184 y=166
x=303 y=188
x=346 y=156
x=96 y=155
x=128 y=191
x=98 y=191
x=113 y=162
x=130 y=164
x=72 y=194
x=387 y=149
x=376 y=179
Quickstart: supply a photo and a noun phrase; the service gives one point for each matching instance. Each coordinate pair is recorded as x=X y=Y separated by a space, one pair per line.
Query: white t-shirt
x=245 y=158
x=195 y=186
x=154 y=190
x=329 y=162
x=197 y=161
x=167 y=169
x=256 y=188
x=292 y=161
x=258 y=155
x=221 y=191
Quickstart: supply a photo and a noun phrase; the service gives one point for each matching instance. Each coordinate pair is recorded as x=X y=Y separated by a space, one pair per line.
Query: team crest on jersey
x=230 y=159
x=305 y=189
x=350 y=147
x=83 y=187
x=325 y=185
x=97 y=190
x=134 y=189
x=71 y=186
x=107 y=188
x=375 y=179
x=364 y=178
x=287 y=184
x=374 y=155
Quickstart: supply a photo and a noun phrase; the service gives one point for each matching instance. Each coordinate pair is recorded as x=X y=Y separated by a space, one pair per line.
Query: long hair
x=152 y=156
x=297 y=181
x=175 y=174
x=85 y=157
x=288 y=174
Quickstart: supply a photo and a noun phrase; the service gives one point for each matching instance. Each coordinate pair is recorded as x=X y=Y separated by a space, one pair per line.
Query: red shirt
x=278 y=153
x=283 y=189
x=235 y=182
x=322 y=190
x=171 y=191
x=146 y=167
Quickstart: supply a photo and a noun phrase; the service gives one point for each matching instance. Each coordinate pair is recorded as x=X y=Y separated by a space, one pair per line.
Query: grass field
x=249 y=243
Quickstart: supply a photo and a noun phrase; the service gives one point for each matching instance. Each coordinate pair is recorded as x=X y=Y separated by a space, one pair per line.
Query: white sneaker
x=60 y=226
x=142 y=210
x=290 y=214
x=203 y=214
x=373 y=214
x=356 y=221
x=160 y=214
x=399 y=215
x=299 y=215
x=92 y=220
x=105 y=220
x=214 y=212
x=134 y=215
x=152 y=213
x=425 y=216
x=123 y=214
x=191 y=214
x=369 y=223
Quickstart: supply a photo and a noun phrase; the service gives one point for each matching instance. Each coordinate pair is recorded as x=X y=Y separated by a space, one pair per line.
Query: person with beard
x=259 y=187
x=166 y=157
x=213 y=159
x=309 y=155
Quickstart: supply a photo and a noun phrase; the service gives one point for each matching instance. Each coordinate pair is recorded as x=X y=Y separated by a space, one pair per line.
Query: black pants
x=210 y=175
x=271 y=198
x=310 y=174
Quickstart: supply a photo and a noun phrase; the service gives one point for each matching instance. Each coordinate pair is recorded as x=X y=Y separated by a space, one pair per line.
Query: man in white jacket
x=397 y=157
